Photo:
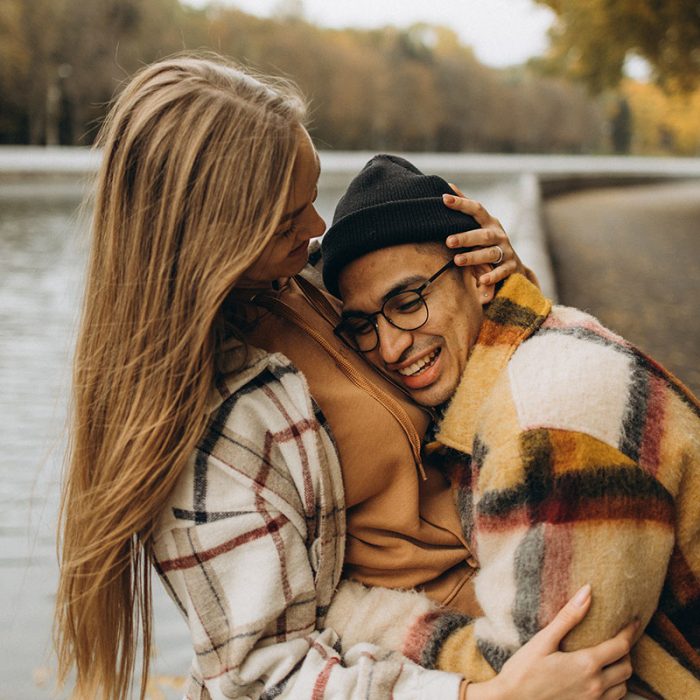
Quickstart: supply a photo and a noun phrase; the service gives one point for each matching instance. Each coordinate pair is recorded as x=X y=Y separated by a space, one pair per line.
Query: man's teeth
x=419 y=364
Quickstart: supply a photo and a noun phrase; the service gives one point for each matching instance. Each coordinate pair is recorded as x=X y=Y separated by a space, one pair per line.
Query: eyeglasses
x=406 y=310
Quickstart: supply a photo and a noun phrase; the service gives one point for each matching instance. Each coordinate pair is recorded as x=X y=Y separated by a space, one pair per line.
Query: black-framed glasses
x=406 y=310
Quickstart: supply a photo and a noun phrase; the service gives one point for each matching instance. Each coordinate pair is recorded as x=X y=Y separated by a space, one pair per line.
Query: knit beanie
x=390 y=202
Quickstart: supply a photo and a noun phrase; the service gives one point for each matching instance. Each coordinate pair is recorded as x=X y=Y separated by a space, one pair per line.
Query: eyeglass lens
x=406 y=311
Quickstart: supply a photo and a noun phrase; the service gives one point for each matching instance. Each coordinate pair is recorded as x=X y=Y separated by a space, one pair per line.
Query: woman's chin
x=296 y=260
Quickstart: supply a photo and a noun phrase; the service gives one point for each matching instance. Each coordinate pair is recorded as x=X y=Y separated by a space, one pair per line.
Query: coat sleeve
x=244 y=555
x=548 y=511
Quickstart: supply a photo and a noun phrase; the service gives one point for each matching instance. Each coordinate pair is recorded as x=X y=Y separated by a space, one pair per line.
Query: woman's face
x=286 y=254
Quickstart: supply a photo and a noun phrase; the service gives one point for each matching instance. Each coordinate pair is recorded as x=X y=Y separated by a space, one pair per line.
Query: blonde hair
x=195 y=174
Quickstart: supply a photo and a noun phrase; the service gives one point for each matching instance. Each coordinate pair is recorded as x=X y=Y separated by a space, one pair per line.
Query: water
x=43 y=245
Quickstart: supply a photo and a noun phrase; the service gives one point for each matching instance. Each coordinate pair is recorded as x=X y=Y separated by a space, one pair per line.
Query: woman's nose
x=315 y=225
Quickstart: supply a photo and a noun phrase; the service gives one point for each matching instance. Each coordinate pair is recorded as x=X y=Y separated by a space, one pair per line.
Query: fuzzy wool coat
x=575 y=459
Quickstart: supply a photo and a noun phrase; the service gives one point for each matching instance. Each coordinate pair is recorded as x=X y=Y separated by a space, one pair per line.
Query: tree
x=419 y=88
x=592 y=40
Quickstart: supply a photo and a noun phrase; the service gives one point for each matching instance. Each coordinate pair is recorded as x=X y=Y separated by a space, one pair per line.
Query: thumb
x=565 y=620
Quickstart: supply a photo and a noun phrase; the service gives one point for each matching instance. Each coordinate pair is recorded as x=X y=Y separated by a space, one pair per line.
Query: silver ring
x=500 y=257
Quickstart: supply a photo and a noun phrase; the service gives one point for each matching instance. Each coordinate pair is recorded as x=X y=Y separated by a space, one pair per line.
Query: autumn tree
x=419 y=88
x=592 y=40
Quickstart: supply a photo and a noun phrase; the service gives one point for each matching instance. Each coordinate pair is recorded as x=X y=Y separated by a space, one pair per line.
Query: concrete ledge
x=528 y=234
x=36 y=160
x=76 y=160
x=537 y=176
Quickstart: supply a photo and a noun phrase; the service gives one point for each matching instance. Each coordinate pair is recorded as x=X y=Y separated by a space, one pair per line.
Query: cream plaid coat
x=250 y=548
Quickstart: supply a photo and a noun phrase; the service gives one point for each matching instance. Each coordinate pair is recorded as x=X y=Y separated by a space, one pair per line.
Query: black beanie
x=390 y=202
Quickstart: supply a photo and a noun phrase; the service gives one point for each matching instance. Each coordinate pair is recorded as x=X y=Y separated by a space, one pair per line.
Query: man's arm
x=551 y=510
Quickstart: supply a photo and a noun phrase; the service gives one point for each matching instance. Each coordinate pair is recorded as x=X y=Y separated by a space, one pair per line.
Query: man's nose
x=393 y=342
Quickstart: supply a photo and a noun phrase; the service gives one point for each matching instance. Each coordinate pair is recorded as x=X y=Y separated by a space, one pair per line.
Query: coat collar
x=515 y=313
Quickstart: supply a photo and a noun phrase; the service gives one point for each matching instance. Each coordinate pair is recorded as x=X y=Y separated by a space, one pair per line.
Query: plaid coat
x=250 y=548
x=575 y=459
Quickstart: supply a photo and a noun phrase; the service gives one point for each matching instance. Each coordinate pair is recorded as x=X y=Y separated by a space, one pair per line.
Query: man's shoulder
x=575 y=374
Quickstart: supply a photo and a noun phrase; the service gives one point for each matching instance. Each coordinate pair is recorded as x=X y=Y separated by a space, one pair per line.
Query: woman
x=194 y=450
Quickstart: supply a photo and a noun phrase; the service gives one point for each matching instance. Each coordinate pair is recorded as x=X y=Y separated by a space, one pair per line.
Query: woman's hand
x=539 y=671
x=492 y=241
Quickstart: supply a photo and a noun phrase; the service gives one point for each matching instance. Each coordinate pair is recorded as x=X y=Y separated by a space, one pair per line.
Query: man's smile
x=419 y=364
x=422 y=371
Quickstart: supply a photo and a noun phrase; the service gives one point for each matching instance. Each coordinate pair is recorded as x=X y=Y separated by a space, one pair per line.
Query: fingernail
x=582 y=596
x=451 y=241
x=448 y=199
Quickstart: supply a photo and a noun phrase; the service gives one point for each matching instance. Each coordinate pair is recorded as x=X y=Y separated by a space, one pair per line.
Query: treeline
x=61 y=61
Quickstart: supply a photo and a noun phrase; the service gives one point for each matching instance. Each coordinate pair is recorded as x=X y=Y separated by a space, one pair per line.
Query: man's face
x=430 y=360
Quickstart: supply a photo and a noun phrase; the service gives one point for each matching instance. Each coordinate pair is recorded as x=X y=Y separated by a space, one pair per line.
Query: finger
x=617 y=673
x=456 y=189
x=498 y=273
x=615 y=693
x=612 y=650
x=480 y=237
x=565 y=620
x=480 y=256
x=469 y=206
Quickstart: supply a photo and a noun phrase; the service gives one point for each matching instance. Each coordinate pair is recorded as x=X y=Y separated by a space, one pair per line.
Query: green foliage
x=592 y=40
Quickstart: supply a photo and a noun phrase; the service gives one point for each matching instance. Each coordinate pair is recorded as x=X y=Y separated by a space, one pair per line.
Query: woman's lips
x=301 y=248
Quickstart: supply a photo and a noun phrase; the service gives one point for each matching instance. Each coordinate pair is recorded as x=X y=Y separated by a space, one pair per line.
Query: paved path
x=631 y=257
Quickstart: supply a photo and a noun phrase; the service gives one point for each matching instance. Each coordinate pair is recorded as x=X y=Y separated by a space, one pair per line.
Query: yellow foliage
x=663 y=124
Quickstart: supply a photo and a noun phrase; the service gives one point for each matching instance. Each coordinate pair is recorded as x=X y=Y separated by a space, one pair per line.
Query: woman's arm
x=251 y=550
x=490 y=242
x=540 y=671
x=410 y=622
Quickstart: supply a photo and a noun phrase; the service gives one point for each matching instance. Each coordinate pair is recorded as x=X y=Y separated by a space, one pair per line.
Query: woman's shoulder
x=252 y=381
x=266 y=442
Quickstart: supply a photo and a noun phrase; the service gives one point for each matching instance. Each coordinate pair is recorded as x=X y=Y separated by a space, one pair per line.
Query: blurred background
x=506 y=76
x=577 y=124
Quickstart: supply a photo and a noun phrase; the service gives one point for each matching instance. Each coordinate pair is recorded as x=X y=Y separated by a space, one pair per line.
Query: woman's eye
x=287 y=233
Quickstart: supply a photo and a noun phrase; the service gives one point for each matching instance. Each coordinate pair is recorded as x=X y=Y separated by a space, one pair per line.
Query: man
x=573 y=457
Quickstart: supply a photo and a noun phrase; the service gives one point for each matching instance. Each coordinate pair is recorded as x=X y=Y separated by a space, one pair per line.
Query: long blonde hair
x=196 y=169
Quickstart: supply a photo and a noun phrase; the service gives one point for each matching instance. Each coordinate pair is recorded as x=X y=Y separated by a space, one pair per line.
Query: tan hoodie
x=403 y=528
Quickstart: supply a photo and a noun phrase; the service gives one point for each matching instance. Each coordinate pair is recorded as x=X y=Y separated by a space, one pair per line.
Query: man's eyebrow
x=401 y=285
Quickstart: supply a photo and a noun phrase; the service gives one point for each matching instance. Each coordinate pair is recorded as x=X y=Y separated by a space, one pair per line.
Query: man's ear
x=485 y=292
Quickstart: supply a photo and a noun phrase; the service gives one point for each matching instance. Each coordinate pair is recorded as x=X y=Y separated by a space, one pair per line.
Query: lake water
x=43 y=246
